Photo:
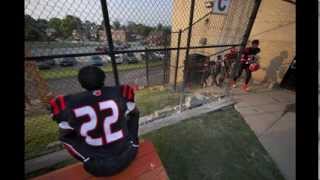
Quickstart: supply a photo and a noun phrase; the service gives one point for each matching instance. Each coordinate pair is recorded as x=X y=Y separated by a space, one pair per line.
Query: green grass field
x=41 y=130
x=217 y=145
x=72 y=72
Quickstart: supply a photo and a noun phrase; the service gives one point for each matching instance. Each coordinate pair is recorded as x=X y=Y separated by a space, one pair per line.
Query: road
x=71 y=85
x=138 y=76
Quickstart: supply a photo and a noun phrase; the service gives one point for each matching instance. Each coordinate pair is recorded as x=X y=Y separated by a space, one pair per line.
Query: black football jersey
x=246 y=54
x=96 y=119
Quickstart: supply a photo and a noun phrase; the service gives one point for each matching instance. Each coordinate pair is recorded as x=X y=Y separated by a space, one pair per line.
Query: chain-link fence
x=147 y=47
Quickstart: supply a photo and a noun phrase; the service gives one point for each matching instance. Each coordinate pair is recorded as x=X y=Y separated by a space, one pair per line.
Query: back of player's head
x=91 y=78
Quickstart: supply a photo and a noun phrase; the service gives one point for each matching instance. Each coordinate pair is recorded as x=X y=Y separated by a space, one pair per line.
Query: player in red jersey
x=248 y=57
x=100 y=125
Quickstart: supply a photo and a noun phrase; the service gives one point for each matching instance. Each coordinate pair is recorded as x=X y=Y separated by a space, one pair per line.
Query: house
x=50 y=32
x=93 y=33
x=135 y=37
x=120 y=35
x=274 y=26
x=78 y=35
x=102 y=35
x=155 y=38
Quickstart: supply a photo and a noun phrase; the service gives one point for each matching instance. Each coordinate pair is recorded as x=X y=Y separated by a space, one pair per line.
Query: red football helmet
x=254 y=67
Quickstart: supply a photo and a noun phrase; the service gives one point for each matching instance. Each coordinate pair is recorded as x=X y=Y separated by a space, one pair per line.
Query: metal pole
x=147 y=67
x=164 y=61
x=188 y=44
x=177 y=61
x=186 y=66
x=248 y=30
x=109 y=38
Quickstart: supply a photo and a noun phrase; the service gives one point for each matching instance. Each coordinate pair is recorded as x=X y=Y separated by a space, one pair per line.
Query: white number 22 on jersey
x=92 y=123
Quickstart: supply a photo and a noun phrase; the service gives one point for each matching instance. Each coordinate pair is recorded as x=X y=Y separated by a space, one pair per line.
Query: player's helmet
x=91 y=78
x=254 y=67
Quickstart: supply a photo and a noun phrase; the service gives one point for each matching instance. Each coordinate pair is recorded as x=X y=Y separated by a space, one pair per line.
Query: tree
x=56 y=24
x=30 y=34
x=144 y=30
x=42 y=24
x=87 y=27
x=139 y=28
x=33 y=30
x=70 y=23
x=159 y=27
x=116 y=24
x=166 y=29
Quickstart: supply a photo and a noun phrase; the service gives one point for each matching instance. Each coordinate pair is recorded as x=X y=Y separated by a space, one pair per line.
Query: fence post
x=248 y=31
x=177 y=61
x=147 y=67
x=165 y=60
x=109 y=39
x=186 y=66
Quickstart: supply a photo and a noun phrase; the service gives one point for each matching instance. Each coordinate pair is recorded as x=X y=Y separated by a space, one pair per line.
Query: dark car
x=45 y=63
x=96 y=61
x=131 y=58
x=101 y=49
x=51 y=62
x=69 y=61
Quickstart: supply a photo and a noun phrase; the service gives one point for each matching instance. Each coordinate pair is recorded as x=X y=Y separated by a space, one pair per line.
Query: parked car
x=96 y=61
x=119 y=58
x=153 y=57
x=101 y=49
x=140 y=56
x=159 y=55
x=51 y=62
x=131 y=58
x=69 y=61
x=45 y=63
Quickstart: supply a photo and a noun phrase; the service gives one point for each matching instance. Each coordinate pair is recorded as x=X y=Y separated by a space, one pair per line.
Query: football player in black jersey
x=248 y=57
x=100 y=125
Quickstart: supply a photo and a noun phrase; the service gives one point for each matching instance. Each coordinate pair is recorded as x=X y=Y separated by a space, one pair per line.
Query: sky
x=149 y=12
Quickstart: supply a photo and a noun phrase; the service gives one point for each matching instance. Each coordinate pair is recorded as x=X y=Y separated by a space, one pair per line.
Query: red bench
x=146 y=166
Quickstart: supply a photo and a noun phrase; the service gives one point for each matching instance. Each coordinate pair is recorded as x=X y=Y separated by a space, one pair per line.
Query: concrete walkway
x=262 y=110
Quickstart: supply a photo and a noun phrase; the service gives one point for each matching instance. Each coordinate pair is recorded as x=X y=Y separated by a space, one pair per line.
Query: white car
x=159 y=54
x=119 y=58
x=140 y=55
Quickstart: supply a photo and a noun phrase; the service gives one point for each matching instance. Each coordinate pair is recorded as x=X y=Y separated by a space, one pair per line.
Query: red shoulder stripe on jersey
x=124 y=90
x=127 y=91
x=54 y=106
x=62 y=102
x=130 y=95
